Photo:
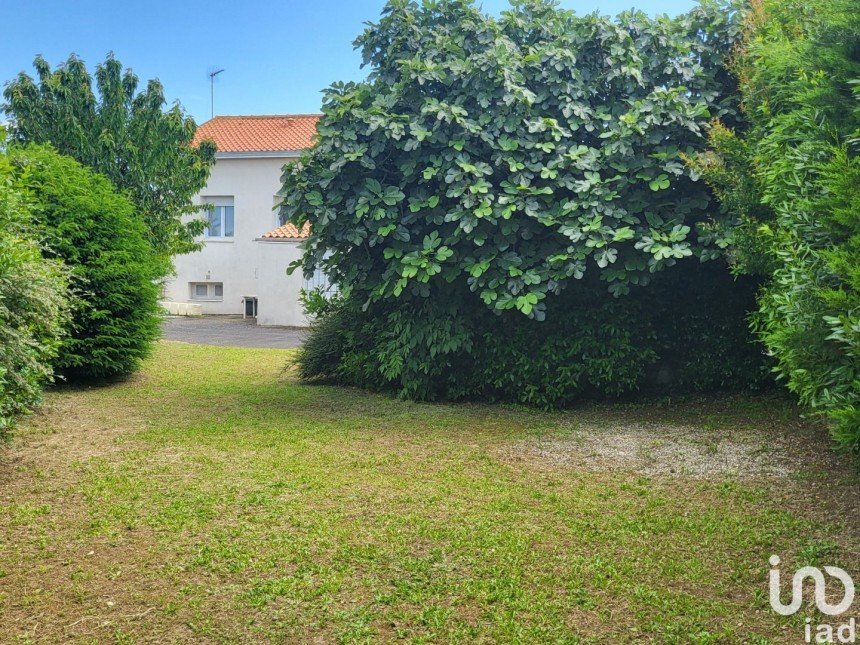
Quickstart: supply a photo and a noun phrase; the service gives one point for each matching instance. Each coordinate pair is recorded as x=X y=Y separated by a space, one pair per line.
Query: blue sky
x=278 y=55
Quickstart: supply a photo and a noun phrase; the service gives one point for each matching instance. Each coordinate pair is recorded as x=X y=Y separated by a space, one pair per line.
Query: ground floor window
x=207 y=290
x=319 y=280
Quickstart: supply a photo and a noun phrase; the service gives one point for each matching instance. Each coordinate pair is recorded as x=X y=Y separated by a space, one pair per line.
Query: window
x=207 y=290
x=219 y=217
x=319 y=280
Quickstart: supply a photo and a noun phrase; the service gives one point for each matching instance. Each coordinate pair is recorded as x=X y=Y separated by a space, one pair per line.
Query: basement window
x=207 y=290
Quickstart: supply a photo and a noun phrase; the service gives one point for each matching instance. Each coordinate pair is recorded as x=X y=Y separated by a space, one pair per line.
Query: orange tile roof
x=264 y=133
x=289 y=232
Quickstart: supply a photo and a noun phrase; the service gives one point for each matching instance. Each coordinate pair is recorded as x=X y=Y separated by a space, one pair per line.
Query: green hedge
x=33 y=306
x=686 y=332
x=790 y=179
x=87 y=224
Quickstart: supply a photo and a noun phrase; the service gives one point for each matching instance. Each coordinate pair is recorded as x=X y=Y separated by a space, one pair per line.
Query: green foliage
x=481 y=198
x=34 y=306
x=125 y=135
x=790 y=181
x=84 y=222
x=512 y=156
x=668 y=338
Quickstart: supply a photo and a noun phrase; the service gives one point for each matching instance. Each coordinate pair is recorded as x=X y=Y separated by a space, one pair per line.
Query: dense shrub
x=33 y=306
x=686 y=332
x=84 y=222
x=481 y=198
x=790 y=180
x=513 y=155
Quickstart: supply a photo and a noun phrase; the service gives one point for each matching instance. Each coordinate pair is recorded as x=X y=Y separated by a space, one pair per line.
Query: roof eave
x=280 y=239
x=260 y=154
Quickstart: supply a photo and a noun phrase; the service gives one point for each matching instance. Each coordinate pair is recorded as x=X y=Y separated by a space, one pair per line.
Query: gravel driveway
x=230 y=331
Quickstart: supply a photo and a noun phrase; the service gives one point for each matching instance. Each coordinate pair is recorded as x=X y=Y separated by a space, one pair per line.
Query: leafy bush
x=93 y=229
x=513 y=155
x=481 y=198
x=669 y=338
x=790 y=181
x=33 y=306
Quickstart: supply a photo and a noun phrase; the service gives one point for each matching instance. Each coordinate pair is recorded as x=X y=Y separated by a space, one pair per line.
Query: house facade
x=242 y=267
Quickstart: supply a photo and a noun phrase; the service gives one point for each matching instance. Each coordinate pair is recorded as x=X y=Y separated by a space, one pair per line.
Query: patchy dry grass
x=214 y=498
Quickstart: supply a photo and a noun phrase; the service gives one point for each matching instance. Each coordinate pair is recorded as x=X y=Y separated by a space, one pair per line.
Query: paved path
x=230 y=331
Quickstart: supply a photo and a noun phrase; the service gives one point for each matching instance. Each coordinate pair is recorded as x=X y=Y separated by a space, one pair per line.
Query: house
x=242 y=267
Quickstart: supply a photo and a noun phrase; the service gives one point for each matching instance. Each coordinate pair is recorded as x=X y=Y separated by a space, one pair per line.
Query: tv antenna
x=212 y=76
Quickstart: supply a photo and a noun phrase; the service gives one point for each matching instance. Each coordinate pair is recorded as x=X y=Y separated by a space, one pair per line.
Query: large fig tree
x=513 y=154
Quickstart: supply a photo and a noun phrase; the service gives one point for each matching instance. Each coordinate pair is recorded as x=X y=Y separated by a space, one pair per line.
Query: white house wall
x=245 y=265
x=279 y=299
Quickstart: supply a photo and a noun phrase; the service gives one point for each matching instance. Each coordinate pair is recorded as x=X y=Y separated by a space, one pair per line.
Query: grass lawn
x=212 y=497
